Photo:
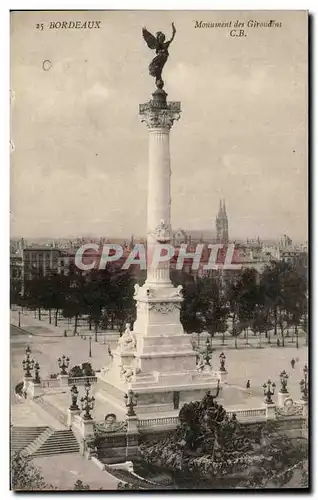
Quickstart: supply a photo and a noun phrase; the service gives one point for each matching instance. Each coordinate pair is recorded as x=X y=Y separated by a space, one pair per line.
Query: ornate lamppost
x=74 y=396
x=207 y=356
x=27 y=363
x=269 y=391
x=304 y=384
x=90 y=347
x=283 y=380
x=37 y=379
x=63 y=364
x=222 y=362
x=131 y=402
x=87 y=402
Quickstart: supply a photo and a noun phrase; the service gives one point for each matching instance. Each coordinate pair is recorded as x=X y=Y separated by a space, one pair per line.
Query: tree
x=74 y=304
x=15 y=292
x=295 y=291
x=85 y=370
x=95 y=296
x=272 y=282
x=241 y=296
x=195 y=303
x=57 y=285
x=215 y=312
x=76 y=371
x=24 y=476
x=285 y=294
x=121 y=305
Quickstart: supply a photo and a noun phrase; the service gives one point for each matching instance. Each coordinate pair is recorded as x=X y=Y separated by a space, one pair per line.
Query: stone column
x=164 y=361
x=159 y=117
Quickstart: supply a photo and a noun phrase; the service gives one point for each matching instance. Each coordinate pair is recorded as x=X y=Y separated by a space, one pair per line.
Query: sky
x=79 y=155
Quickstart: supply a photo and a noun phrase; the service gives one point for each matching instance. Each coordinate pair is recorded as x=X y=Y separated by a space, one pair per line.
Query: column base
x=157 y=392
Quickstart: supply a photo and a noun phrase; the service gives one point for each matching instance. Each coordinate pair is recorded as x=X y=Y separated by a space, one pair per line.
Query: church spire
x=224 y=207
x=220 y=208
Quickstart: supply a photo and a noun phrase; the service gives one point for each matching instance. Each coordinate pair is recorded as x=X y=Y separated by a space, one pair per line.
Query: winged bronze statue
x=160 y=45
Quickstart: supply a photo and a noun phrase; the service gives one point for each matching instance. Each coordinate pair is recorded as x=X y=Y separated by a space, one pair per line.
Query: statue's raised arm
x=161 y=46
x=174 y=31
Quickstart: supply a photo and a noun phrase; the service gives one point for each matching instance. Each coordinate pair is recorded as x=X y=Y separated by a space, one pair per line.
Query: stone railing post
x=71 y=413
x=305 y=408
x=222 y=376
x=63 y=380
x=34 y=389
x=281 y=397
x=304 y=430
x=27 y=381
x=270 y=411
x=131 y=436
x=87 y=426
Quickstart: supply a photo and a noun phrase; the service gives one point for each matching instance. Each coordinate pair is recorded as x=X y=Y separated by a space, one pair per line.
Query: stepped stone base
x=157 y=392
x=156 y=360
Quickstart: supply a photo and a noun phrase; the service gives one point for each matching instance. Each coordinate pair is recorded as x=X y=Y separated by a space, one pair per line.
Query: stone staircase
x=58 y=442
x=52 y=410
x=37 y=443
x=22 y=437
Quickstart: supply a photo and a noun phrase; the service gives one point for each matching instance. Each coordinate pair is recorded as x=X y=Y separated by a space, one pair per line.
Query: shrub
x=19 y=388
x=79 y=485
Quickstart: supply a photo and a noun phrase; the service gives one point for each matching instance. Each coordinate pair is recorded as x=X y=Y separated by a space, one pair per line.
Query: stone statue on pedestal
x=159 y=44
x=127 y=342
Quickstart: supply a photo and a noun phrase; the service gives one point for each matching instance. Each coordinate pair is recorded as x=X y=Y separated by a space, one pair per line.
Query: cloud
x=98 y=91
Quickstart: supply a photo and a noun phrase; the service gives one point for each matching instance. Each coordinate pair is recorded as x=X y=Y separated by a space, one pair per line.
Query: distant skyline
x=79 y=164
x=194 y=234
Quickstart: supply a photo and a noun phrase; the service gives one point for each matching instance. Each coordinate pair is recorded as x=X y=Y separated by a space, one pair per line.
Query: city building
x=221 y=224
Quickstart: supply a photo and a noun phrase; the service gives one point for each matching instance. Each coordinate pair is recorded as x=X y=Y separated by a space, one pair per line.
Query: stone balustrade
x=57 y=382
x=82 y=380
x=159 y=421
x=248 y=414
x=50 y=382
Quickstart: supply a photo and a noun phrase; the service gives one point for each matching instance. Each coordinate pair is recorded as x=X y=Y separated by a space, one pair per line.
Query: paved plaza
x=254 y=364
x=62 y=471
x=46 y=350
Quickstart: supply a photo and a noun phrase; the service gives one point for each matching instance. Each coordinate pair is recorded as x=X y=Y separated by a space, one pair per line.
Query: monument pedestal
x=162 y=366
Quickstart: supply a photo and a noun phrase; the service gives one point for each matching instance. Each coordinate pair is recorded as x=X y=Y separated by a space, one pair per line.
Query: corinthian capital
x=155 y=117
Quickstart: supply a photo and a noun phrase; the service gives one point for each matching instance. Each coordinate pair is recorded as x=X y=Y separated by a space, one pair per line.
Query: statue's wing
x=149 y=38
